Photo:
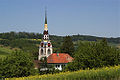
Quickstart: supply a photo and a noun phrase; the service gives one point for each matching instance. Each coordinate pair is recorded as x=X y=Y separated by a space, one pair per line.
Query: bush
x=94 y=55
x=18 y=64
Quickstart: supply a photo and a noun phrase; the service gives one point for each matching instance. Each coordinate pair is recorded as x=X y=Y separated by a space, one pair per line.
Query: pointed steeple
x=45 y=26
x=45 y=48
x=45 y=16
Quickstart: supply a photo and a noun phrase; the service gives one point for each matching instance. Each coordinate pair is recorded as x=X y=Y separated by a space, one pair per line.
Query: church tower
x=45 y=48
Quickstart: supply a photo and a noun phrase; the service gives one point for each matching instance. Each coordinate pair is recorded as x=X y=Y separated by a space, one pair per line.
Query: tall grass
x=106 y=73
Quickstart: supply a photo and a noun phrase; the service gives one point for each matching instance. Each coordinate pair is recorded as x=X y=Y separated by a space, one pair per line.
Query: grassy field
x=35 y=39
x=115 y=45
x=4 y=51
x=118 y=46
x=106 y=73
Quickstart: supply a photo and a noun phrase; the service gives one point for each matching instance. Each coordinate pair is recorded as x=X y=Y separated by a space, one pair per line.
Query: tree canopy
x=17 y=64
x=67 y=46
x=94 y=55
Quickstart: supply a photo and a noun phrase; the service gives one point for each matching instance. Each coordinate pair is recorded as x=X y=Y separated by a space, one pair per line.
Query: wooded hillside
x=29 y=42
x=27 y=35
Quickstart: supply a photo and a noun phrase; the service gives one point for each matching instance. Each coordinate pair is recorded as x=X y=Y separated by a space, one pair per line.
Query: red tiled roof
x=59 y=58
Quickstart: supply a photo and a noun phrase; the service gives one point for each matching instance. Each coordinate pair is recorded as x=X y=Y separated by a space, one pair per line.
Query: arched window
x=41 y=44
x=41 y=51
x=48 y=44
x=49 y=51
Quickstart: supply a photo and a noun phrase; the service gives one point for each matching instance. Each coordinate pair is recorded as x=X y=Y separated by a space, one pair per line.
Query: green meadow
x=4 y=51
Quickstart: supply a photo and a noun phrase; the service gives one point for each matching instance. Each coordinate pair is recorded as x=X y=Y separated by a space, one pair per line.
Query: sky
x=65 y=17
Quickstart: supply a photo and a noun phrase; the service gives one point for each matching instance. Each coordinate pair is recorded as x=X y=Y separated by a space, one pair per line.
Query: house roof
x=59 y=58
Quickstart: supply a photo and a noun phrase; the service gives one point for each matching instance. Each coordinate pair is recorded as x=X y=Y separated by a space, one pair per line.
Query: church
x=46 y=50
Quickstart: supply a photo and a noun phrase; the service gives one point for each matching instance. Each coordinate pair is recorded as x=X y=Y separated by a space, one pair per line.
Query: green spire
x=45 y=16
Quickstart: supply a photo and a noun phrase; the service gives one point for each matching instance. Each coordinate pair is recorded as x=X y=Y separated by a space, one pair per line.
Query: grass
x=118 y=46
x=115 y=45
x=35 y=39
x=106 y=73
x=4 y=51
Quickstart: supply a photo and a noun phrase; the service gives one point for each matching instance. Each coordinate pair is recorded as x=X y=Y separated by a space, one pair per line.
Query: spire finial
x=45 y=15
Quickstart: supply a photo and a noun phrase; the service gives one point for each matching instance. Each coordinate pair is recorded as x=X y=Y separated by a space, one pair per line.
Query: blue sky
x=65 y=17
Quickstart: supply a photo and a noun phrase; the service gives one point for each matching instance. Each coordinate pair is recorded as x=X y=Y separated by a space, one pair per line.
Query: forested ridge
x=30 y=35
x=29 y=42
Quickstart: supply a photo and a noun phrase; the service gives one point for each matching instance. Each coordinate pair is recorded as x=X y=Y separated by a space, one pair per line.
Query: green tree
x=44 y=67
x=1 y=70
x=67 y=46
x=18 y=64
x=94 y=55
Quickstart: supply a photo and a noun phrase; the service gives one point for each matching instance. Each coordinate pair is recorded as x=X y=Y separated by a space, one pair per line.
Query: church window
x=41 y=44
x=49 y=51
x=57 y=66
x=48 y=44
x=41 y=51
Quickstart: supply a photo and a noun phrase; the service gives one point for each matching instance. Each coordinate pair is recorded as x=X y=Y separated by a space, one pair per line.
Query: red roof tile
x=59 y=58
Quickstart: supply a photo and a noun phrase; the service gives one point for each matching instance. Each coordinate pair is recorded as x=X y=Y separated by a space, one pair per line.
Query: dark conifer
x=67 y=46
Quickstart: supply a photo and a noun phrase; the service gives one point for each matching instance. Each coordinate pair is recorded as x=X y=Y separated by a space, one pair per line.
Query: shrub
x=17 y=64
x=94 y=55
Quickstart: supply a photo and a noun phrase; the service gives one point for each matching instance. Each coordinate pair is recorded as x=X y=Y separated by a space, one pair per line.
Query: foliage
x=25 y=45
x=29 y=42
x=4 y=42
x=94 y=38
x=1 y=67
x=45 y=68
x=58 y=39
x=13 y=35
x=67 y=46
x=17 y=64
x=43 y=62
x=94 y=55
x=105 y=73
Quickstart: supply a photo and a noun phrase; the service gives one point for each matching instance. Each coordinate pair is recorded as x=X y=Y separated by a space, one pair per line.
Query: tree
x=67 y=46
x=94 y=55
x=1 y=70
x=45 y=68
x=18 y=64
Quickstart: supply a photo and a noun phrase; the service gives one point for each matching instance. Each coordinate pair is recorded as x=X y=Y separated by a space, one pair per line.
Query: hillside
x=27 y=35
x=4 y=51
x=29 y=42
